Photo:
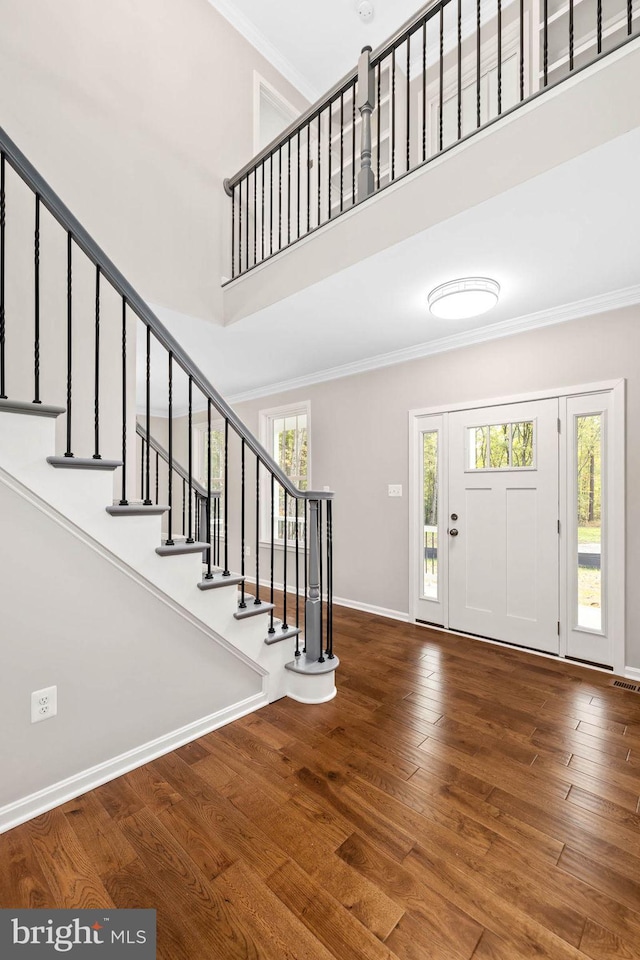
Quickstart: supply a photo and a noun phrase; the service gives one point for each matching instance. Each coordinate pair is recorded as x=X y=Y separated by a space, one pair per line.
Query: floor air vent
x=627 y=686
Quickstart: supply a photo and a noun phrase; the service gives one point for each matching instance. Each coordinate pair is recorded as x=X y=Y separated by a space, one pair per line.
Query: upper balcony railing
x=453 y=69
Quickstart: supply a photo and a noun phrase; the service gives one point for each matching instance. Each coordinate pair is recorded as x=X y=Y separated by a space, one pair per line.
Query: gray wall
x=359 y=439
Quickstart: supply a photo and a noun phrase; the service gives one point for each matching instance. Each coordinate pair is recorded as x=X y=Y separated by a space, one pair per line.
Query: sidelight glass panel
x=430 y=514
x=589 y=506
x=499 y=445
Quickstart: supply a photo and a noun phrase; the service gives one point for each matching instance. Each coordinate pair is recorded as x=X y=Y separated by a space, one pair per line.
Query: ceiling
x=333 y=35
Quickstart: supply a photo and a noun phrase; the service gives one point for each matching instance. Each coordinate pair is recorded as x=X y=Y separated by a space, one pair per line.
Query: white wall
x=129 y=669
x=359 y=439
x=135 y=113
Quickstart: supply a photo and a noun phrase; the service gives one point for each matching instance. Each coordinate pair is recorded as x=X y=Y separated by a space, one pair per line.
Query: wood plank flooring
x=455 y=800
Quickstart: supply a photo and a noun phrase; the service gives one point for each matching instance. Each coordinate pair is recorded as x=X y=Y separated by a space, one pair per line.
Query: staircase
x=70 y=434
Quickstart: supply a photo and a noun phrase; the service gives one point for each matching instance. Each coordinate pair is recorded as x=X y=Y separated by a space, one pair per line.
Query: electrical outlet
x=44 y=704
x=395 y=489
x=247 y=550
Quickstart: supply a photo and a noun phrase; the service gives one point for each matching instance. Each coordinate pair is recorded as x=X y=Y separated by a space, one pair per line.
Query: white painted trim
x=370 y=608
x=265 y=48
x=628 y=296
x=600 y=386
x=261 y=87
x=13 y=484
x=632 y=673
x=37 y=803
x=329 y=696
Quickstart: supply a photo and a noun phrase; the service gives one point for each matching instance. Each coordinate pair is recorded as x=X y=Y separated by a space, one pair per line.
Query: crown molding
x=628 y=296
x=249 y=31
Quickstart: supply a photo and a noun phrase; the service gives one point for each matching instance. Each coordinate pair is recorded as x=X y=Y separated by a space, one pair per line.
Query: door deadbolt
x=454 y=516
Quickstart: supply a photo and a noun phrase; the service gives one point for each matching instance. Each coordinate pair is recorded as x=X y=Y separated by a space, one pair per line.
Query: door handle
x=453 y=532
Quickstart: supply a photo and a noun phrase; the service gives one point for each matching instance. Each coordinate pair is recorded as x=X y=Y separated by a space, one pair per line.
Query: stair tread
x=312 y=667
x=136 y=510
x=180 y=547
x=31 y=409
x=218 y=580
x=280 y=634
x=252 y=609
x=83 y=463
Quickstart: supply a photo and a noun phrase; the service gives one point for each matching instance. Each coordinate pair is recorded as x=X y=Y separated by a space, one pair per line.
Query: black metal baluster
x=545 y=42
x=330 y=579
x=308 y=176
x=288 y=191
x=226 y=572
x=233 y=233
x=272 y=629
x=499 y=57
x=522 y=48
x=68 y=451
x=280 y=198
x=297 y=577
x=320 y=578
x=184 y=506
x=285 y=625
x=209 y=573
x=330 y=158
x=123 y=498
x=157 y=478
x=408 y=103
x=392 y=114
x=341 y=151
x=424 y=90
x=306 y=571
x=478 y=59
x=353 y=144
x=147 y=498
x=3 y=210
x=459 y=84
x=240 y=227
x=96 y=407
x=190 y=538
x=319 y=162
x=246 y=227
x=271 y=204
x=379 y=119
x=629 y=17
x=170 y=451
x=262 y=201
x=441 y=97
x=257 y=599
x=142 y=456
x=255 y=216
x=571 y=35
x=599 y=12
x=243 y=602
x=298 y=192
x=36 y=302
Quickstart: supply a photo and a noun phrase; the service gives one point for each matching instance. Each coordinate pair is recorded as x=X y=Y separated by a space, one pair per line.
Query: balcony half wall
x=583 y=112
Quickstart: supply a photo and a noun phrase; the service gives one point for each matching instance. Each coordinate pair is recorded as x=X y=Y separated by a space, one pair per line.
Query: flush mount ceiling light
x=461 y=299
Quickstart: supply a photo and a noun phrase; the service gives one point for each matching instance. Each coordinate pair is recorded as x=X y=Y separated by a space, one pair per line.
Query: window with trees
x=285 y=434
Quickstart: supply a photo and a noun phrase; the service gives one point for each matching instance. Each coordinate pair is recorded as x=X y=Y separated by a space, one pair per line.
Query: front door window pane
x=589 y=501
x=499 y=445
x=430 y=514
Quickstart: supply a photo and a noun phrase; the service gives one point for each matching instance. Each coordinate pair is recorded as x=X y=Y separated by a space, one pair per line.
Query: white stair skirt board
x=31 y=806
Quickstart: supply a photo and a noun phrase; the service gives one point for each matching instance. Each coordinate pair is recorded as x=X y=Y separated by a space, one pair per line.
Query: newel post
x=313 y=603
x=365 y=102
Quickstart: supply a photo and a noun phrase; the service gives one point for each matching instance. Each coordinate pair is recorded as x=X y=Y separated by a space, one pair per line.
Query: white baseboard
x=369 y=608
x=632 y=673
x=33 y=805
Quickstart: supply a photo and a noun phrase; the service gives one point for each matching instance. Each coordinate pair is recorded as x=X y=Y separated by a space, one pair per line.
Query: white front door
x=502 y=523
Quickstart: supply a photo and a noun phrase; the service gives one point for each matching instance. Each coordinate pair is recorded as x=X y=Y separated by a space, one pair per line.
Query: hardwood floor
x=455 y=800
